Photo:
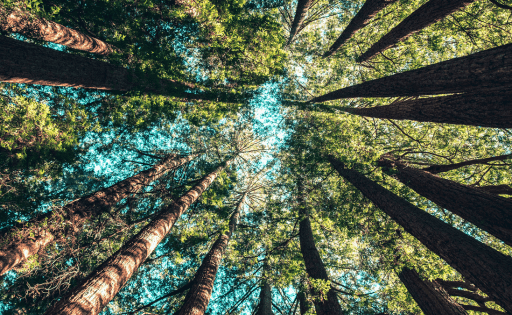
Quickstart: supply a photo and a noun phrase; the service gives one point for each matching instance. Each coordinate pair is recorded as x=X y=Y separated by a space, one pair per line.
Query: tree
x=265 y=299
x=300 y=15
x=440 y=168
x=429 y=13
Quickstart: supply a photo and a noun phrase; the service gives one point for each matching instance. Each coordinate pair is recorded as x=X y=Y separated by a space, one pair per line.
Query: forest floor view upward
x=256 y=157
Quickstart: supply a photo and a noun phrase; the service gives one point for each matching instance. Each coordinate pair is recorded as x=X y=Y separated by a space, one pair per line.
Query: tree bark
x=362 y=18
x=482 y=71
x=440 y=168
x=100 y=287
x=314 y=264
x=485 y=110
x=265 y=303
x=487 y=211
x=198 y=297
x=429 y=13
x=487 y=268
x=497 y=189
x=77 y=213
x=300 y=14
x=303 y=303
x=429 y=295
x=24 y=23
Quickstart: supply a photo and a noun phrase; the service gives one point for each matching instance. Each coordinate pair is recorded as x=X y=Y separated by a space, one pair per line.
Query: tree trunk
x=362 y=18
x=199 y=295
x=497 y=189
x=487 y=211
x=487 y=310
x=485 y=267
x=31 y=26
x=439 y=168
x=300 y=14
x=77 y=213
x=429 y=13
x=491 y=110
x=429 y=295
x=100 y=287
x=303 y=303
x=482 y=71
x=314 y=264
x=265 y=304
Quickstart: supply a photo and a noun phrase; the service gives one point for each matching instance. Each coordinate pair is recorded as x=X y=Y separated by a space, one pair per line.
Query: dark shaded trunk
x=314 y=264
x=487 y=211
x=483 y=309
x=300 y=15
x=31 y=26
x=485 y=70
x=497 y=189
x=198 y=297
x=429 y=13
x=429 y=295
x=265 y=303
x=485 y=110
x=468 y=295
x=362 y=18
x=77 y=213
x=485 y=267
x=439 y=168
x=457 y=284
x=100 y=287
x=303 y=303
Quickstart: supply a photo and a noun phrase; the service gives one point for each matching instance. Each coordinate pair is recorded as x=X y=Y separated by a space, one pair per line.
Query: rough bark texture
x=265 y=303
x=487 y=211
x=485 y=70
x=300 y=15
x=429 y=13
x=314 y=264
x=198 y=297
x=78 y=212
x=98 y=289
x=429 y=295
x=28 y=25
x=362 y=18
x=440 y=168
x=487 y=268
x=486 y=110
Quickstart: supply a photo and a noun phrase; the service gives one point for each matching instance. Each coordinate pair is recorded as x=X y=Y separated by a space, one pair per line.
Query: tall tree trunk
x=100 y=287
x=440 y=168
x=486 y=110
x=265 y=303
x=77 y=213
x=362 y=18
x=485 y=70
x=26 y=24
x=487 y=211
x=497 y=189
x=485 y=267
x=429 y=295
x=303 y=303
x=199 y=295
x=429 y=13
x=314 y=264
x=300 y=15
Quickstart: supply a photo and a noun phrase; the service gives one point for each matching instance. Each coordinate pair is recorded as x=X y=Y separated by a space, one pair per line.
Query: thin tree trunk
x=31 y=26
x=77 y=213
x=429 y=13
x=485 y=110
x=314 y=264
x=362 y=18
x=199 y=295
x=440 y=168
x=487 y=310
x=482 y=71
x=487 y=211
x=100 y=287
x=303 y=303
x=468 y=295
x=429 y=295
x=485 y=267
x=265 y=303
x=300 y=15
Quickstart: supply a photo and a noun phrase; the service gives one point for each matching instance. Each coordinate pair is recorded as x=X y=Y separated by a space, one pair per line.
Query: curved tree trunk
x=429 y=13
x=198 y=297
x=429 y=295
x=440 y=168
x=487 y=211
x=300 y=15
x=485 y=70
x=485 y=267
x=78 y=212
x=100 y=287
x=362 y=18
x=31 y=26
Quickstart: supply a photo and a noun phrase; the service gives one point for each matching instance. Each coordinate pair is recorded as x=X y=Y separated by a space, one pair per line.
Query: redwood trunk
x=300 y=15
x=27 y=25
x=198 y=297
x=265 y=303
x=485 y=70
x=429 y=13
x=429 y=295
x=497 y=189
x=487 y=211
x=485 y=267
x=77 y=213
x=100 y=287
x=362 y=18
x=439 y=168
